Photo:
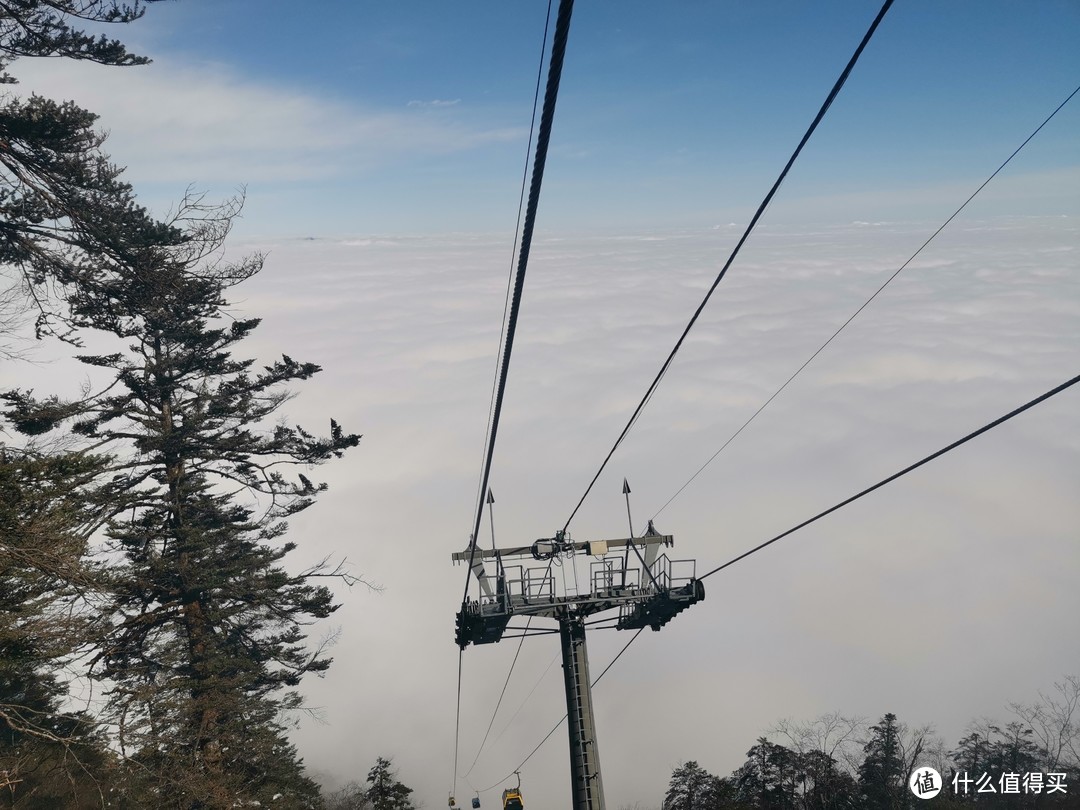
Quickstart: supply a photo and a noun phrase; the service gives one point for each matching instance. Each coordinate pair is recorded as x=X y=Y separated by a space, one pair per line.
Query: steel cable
x=1000 y=420
x=517 y=233
x=547 y=736
x=746 y=234
x=551 y=92
x=866 y=304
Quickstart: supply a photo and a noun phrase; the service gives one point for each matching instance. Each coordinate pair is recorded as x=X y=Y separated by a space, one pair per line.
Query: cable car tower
x=648 y=590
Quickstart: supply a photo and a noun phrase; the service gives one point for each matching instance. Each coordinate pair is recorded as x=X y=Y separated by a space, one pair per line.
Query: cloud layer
x=941 y=597
x=918 y=600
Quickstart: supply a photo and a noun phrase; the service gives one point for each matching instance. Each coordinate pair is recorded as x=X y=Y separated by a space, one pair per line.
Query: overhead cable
x=865 y=305
x=551 y=93
x=517 y=233
x=547 y=736
x=513 y=717
x=905 y=471
x=457 y=722
x=547 y=116
x=746 y=234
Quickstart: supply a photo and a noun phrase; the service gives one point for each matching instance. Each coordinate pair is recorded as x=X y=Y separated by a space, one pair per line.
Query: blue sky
x=675 y=117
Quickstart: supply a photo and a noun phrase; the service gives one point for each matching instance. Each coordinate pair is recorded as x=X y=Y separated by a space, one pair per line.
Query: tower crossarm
x=549 y=545
x=647 y=589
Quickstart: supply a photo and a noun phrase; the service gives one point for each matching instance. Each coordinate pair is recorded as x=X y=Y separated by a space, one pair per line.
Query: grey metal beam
x=526 y=551
x=586 y=785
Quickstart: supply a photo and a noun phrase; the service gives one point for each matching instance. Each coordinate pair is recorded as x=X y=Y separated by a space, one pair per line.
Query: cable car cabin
x=512 y=799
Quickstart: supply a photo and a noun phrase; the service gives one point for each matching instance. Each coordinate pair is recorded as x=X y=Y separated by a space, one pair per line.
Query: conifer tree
x=207 y=629
x=65 y=218
x=385 y=792
x=47 y=754
x=65 y=215
x=693 y=788
x=882 y=778
x=771 y=776
x=50 y=28
x=205 y=634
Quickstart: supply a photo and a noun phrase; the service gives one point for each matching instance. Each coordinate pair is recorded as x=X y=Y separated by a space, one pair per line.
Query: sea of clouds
x=940 y=598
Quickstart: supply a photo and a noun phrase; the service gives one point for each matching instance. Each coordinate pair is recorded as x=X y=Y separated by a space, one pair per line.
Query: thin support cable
x=746 y=234
x=513 y=717
x=547 y=736
x=457 y=722
x=866 y=304
x=905 y=471
x=502 y=694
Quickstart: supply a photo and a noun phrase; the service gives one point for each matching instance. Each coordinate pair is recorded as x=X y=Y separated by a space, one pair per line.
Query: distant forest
x=834 y=762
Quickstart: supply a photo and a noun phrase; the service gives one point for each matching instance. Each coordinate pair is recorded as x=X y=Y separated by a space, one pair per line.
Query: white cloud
x=890 y=369
x=987 y=320
x=437 y=102
x=206 y=123
x=1017 y=188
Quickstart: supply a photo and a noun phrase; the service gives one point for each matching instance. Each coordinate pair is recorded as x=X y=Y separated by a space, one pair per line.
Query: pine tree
x=48 y=756
x=65 y=216
x=206 y=629
x=45 y=28
x=208 y=626
x=1015 y=751
x=771 y=777
x=882 y=777
x=688 y=787
x=825 y=786
x=385 y=791
x=972 y=752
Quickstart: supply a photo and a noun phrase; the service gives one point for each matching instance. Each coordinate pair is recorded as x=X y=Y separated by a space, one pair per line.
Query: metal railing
x=531 y=584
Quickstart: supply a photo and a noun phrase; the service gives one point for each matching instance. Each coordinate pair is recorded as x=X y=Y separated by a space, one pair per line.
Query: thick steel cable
x=746 y=234
x=502 y=336
x=551 y=94
x=866 y=304
x=547 y=736
x=517 y=233
x=905 y=471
